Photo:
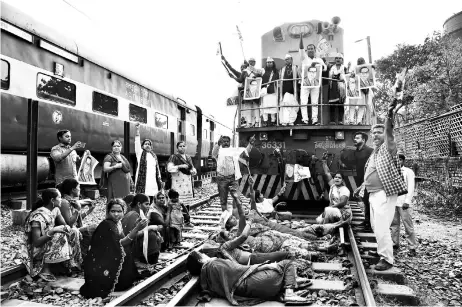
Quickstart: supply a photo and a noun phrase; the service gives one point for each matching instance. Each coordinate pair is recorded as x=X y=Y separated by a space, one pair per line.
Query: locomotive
x=279 y=148
x=78 y=90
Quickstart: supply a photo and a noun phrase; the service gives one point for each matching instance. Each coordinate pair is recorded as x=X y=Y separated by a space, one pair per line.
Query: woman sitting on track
x=145 y=250
x=47 y=244
x=72 y=213
x=109 y=265
x=338 y=209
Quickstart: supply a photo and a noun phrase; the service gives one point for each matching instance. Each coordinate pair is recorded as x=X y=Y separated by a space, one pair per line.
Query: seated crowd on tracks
x=284 y=95
x=147 y=220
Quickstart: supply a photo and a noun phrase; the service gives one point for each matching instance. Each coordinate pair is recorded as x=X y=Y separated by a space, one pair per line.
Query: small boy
x=177 y=216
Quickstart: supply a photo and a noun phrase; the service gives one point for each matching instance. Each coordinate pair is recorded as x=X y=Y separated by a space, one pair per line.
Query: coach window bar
x=32 y=152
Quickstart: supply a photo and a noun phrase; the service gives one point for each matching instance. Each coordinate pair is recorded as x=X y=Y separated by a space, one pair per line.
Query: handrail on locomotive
x=366 y=121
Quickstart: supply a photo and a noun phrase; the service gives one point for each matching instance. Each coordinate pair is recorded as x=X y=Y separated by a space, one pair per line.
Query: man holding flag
x=228 y=170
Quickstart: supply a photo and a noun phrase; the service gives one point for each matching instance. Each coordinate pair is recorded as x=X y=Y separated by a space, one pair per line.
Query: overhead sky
x=172 y=44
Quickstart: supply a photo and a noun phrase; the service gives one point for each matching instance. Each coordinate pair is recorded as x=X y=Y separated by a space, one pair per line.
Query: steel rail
x=19 y=271
x=364 y=282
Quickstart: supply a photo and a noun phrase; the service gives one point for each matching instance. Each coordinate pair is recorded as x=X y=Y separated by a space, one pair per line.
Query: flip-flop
x=47 y=277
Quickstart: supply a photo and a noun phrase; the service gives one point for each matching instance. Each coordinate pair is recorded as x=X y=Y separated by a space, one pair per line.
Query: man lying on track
x=246 y=284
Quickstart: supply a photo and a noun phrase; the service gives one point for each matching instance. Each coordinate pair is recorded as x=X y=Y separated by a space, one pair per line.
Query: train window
x=138 y=114
x=105 y=104
x=205 y=134
x=193 y=130
x=55 y=89
x=161 y=121
x=5 y=75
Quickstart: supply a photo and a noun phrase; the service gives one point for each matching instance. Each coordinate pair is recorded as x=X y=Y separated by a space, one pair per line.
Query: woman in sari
x=72 y=212
x=117 y=169
x=109 y=265
x=47 y=244
x=338 y=209
x=148 y=179
x=144 y=250
x=181 y=170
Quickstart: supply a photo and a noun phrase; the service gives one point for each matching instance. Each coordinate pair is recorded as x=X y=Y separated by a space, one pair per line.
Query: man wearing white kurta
x=306 y=59
x=403 y=211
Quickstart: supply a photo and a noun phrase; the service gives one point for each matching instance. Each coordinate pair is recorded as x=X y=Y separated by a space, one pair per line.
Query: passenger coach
x=77 y=90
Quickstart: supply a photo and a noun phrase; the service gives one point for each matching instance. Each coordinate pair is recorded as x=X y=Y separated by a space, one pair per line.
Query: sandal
x=47 y=277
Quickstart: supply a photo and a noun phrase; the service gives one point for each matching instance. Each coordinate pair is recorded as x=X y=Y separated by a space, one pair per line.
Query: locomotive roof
x=20 y=19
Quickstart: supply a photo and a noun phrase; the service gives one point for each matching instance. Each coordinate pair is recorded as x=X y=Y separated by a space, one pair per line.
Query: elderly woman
x=148 y=179
x=109 y=265
x=144 y=249
x=338 y=209
x=48 y=244
x=117 y=169
x=180 y=168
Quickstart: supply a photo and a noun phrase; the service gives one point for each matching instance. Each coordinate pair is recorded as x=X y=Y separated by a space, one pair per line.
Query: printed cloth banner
x=297 y=172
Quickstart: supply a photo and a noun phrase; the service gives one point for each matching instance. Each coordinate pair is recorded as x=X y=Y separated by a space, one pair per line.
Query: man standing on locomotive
x=307 y=59
x=228 y=171
x=288 y=114
x=384 y=182
x=65 y=157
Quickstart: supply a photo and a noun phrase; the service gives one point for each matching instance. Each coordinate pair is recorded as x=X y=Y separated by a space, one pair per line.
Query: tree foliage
x=434 y=80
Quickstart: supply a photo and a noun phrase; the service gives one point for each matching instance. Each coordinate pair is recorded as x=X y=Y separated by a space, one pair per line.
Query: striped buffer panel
x=269 y=186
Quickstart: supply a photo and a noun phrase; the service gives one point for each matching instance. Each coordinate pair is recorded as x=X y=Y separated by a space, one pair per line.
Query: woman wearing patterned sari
x=73 y=214
x=181 y=168
x=109 y=264
x=148 y=179
x=47 y=244
x=146 y=250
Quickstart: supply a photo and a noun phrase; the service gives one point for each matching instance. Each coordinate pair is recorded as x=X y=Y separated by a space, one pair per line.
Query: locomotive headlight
x=339 y=135
x=263 y=136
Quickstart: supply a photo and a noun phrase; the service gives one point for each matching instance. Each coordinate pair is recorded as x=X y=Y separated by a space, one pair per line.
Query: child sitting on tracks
x=177 y=216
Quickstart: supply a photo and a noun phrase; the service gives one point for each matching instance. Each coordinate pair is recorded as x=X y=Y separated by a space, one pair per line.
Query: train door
x=182 y=124
x=211 y=162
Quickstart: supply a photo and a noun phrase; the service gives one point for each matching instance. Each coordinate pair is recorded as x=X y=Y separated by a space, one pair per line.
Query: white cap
x=288 y=56
x=339 y=55
x=269 y=59
x=252 y=59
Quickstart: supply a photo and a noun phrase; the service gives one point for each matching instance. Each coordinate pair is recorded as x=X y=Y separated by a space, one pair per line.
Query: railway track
x=344 y=276
x=353 y=273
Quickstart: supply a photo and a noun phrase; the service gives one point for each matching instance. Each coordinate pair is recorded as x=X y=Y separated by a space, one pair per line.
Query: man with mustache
x=384 y=182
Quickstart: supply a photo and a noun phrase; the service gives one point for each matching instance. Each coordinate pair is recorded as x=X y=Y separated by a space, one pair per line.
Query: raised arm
x=235 y=72
x=138 y=149
x=232 y=244
x=281 y=192
x=301 y=50
x=389 y=137
x=253 y=204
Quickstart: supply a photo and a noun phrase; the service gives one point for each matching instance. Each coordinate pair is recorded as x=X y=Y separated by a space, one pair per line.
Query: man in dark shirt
x=360 y=157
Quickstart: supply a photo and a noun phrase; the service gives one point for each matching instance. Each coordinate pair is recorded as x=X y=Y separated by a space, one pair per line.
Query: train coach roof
x=31 y=25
